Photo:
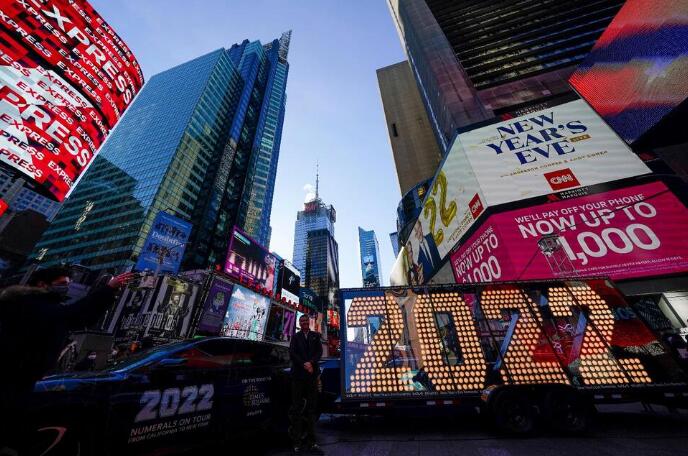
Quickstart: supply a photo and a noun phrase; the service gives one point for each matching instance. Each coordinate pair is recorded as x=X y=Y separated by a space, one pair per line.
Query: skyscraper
x=201 y=141
x=322 y=266
x=369 y=250
x=477 y=59
x=414 y=147
x=315 y=215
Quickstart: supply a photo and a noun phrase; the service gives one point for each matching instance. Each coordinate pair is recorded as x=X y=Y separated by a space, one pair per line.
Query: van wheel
x=565 y=411
x=513 y=413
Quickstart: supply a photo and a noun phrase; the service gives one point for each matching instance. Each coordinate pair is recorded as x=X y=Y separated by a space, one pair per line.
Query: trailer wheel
x=513 y=413
x=566 y=411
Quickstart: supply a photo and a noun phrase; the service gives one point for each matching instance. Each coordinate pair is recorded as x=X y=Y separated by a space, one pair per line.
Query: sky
x=334 y=113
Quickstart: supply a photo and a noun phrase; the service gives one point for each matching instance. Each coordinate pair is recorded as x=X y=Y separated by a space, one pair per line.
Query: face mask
x=62 y=290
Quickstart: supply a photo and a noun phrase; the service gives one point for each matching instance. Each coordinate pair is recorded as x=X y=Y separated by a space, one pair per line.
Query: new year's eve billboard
x=65 y=80
x=637 y=72
x=555 y=149
x=623 y=234
x=248 y=259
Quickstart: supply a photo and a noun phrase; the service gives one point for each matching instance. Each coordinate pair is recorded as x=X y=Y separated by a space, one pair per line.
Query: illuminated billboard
x=637 y=72
x=66 y=78
x=165 y=244
x=215 y=306
x=557 y=149
x=289 y=282
x=452 y=204
x=246 y=316
x=623 y=234
x=246 y=259
x=454 y=340
x=552 y=150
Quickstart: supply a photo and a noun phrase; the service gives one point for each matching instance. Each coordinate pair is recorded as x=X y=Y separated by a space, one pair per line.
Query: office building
x=19 y=196
x=201 y=141
x=322 y=267
x=315 y=215
x=394 y=239
x=414 y=147
x=480 y=59
x=369 y=251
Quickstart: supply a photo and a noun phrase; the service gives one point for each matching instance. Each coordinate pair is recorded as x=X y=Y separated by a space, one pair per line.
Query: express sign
x=65 y=80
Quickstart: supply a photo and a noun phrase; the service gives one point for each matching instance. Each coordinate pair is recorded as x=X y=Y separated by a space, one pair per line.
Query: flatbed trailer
x=521 y=352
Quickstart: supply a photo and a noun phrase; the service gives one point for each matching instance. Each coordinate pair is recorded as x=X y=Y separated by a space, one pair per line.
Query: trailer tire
x=513 y=413
x=566 y=411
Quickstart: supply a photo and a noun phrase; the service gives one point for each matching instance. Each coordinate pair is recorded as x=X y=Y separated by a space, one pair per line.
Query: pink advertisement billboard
x=623 y=234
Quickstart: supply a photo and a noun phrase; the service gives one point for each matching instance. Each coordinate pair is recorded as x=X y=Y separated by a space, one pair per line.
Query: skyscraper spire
x=317 y=181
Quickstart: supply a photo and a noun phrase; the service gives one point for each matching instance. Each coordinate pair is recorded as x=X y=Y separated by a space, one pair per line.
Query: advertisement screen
x=451 y=206
x=637 y=71
x=623 y=234
x=215 y=306
x=559 y=148
x=290 y=282
x=250 y=260
x=453 y=340
x=246 y=315
x=65 y=80
x=171 y=312
x=166 y=241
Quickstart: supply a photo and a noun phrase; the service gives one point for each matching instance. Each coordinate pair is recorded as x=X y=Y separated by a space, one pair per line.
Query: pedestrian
x=305 y=351
x=34 y=324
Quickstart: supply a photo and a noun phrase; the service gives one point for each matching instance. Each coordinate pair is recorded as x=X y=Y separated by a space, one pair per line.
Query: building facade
x=369 y=250
x=322 y=267
x=201 y=141
x=414 y=147
x=476 y=60
x=316 y=215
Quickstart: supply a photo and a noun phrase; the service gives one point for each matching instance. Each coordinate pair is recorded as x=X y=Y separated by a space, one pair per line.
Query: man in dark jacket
x=34 y=324
x=305 y=351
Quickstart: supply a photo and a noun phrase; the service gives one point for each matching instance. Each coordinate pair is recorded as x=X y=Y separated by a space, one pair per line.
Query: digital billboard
x=452 y=340
x=249 y=260
x=246 y=316
x=289 y=282
x=637 y=72
x=555 y=149
x=215 y=306
x=66 y=78
x=166 y=241
x=452 y=204
x=628 y=233
x=172 y=309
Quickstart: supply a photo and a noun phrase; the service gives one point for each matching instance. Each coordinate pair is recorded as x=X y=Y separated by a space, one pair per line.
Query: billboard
x=451 y=340
x=172 y=309
x=215 y=306
x=246 y=259
x=166 y=240
x=246 y=315
x=623 y=234
x=637 y=71
x=555 y=149
x=65 y=80
x=289 y=282
x=452 y=204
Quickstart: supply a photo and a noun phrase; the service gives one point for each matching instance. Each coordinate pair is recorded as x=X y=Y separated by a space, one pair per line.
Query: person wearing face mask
x=35 y=323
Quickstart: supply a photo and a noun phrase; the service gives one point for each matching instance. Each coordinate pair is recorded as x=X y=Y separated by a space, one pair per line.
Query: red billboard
x=65 y=80
x=623 y=234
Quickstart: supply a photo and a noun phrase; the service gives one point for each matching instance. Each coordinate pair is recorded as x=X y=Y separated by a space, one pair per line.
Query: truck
x=521 y=352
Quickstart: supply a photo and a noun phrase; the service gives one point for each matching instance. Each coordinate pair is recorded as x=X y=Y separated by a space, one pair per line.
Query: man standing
x=305 y=351
x=428 y=255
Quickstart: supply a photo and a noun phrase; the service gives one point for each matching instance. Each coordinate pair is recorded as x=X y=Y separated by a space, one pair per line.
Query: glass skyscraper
x=322 y=267
x=315 y=216
x=201 y=141
x=370 y=258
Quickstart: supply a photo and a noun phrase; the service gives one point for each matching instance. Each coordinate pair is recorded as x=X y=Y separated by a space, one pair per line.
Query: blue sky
x=334 y=113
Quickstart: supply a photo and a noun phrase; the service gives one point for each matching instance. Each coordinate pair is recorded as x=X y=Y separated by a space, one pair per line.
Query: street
x=619 y=430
